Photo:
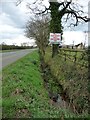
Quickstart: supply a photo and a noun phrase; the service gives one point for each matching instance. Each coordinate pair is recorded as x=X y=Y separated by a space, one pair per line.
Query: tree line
x=13 y=47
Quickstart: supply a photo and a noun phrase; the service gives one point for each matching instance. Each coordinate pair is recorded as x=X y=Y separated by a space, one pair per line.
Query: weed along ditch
x=68 y=77
x=58 y=96
x=31 y=90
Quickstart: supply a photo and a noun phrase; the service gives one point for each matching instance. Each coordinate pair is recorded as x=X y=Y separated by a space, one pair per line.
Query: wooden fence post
x=65 y=56
x=75 y=57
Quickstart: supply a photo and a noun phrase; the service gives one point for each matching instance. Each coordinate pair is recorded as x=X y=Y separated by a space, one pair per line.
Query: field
x=24 y=94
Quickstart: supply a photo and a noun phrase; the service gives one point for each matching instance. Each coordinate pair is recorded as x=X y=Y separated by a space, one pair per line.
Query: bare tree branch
x=18 y=2
x=84 y=18
x=45 y=10
x=65 y=7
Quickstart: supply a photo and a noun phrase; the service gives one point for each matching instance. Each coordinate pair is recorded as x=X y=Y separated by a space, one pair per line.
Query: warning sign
x=55 y=38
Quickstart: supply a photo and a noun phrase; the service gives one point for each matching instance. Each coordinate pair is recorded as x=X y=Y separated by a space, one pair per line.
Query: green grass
x=23 y=92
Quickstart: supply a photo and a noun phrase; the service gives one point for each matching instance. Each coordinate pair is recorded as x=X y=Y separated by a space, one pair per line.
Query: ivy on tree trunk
x=55 y=24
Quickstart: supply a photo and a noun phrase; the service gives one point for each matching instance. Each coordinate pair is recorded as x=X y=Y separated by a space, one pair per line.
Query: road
x=10 y=57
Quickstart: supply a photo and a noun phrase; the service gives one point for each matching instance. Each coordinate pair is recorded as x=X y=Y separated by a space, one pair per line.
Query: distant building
x=72 y=46
x=79 y=46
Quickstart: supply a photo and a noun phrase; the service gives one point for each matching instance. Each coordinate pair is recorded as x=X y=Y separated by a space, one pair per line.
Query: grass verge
x=23 y=92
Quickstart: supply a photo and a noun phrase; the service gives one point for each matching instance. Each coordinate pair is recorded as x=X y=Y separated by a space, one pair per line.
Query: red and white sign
x=55 y=38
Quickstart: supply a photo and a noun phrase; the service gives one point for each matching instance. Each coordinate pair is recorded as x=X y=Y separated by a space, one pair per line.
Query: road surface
x=10 y=57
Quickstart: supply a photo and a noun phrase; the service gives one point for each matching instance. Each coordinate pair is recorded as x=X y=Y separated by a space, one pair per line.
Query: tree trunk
x=88 y=80
x=55 y=49
x=55 y=24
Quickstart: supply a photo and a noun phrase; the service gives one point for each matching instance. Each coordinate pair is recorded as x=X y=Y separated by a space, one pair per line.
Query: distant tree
x=3 y=43
x=15 y=44
x=24 y=44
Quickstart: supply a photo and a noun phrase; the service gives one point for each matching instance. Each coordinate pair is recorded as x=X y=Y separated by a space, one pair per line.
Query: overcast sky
x=13 y=20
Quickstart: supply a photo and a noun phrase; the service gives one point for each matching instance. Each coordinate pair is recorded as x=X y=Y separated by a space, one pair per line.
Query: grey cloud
x=9 y=35
x=12 y=21
x=14 y=14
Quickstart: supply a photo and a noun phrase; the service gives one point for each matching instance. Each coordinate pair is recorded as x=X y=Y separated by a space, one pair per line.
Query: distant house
x=79 y=46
